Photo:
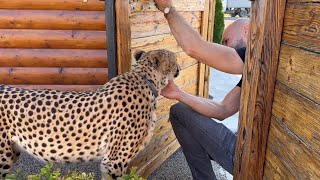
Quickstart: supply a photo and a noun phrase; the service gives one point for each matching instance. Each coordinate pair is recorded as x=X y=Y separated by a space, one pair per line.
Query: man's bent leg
x=201 y=137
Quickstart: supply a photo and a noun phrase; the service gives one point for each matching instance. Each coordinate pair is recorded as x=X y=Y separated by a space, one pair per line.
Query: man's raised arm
x=214 y=55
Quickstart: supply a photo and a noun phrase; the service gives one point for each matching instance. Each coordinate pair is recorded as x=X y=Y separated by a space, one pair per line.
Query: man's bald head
x=236 y=34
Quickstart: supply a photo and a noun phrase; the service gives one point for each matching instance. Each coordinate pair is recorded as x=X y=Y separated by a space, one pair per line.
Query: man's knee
x=178 y=112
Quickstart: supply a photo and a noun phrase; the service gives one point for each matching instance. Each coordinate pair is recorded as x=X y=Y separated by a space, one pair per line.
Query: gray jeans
x=202 y=140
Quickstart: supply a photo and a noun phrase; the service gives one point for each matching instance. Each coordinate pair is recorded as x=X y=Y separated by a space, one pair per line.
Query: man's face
x=232 y=37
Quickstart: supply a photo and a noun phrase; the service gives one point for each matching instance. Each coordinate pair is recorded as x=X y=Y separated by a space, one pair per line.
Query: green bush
x=46 y=173
x=218 y=22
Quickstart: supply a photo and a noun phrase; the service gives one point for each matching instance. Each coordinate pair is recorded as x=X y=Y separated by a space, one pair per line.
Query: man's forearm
x=203 y=106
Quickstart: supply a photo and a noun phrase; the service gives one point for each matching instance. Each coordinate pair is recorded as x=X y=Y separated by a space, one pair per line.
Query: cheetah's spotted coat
x=111 y=124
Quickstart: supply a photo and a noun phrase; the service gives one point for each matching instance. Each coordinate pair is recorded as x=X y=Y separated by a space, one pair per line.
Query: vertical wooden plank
x=204 y=34
x=258 y=87
x=111 y=38
x=123 y=36
x=212 y=6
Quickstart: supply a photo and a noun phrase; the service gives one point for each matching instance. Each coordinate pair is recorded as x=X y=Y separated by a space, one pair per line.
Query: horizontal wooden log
x=300 y=70
x=299 y=114
x=60 y=87
x=92 y=5
x=296 y=158
x=53 y=58
x=58 y=76
x=181 y=5
x=53 y=20
x=301 y=26
x=56 y=39
x=145 y=24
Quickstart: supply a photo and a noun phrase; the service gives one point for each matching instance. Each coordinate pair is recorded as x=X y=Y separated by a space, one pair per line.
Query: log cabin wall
x=54 y=44
x=149 y=31
x=293 y=149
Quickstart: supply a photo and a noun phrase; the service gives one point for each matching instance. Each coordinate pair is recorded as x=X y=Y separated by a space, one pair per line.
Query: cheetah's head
x=163 y=61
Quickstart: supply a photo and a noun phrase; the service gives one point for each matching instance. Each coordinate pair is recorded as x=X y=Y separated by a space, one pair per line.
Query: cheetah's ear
x=138 y=54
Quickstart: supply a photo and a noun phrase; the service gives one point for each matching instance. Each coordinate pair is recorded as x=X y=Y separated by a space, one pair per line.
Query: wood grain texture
x=145 y=24
x=92 y=5
x=165 y=41
x=302 y=26
x=61 y=87
x=212 y=5
x=258 y=87
x=153 y=164
x=300 y=70
x=274 y=168
x=296 y=158
x=53 y=58
x=57 y=39
x=302 y=1
x=123 y=36
x=53 y=20
x=153 y=149
x=299 y=114
x=181 y=5
x=184 y=60
x=59 y=76
x=150 y=31
x=204 y=34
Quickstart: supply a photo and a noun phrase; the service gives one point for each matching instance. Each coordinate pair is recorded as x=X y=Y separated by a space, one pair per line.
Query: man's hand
x=162 y=4
x=171 y=91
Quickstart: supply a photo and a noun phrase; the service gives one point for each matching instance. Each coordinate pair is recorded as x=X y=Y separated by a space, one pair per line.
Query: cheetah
x=111 y=124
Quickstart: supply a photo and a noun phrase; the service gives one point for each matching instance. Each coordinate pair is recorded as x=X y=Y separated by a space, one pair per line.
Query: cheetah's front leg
x=111 y=169
x=7 y=155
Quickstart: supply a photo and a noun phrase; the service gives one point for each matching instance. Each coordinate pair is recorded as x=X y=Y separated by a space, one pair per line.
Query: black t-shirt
x=242 y=54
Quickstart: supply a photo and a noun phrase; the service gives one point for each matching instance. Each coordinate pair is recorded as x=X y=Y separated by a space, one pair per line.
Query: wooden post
x=123 y=35
x=111 y=38
x=206 y=32
x=258 y=87
x=119 y=37
x=212 y=7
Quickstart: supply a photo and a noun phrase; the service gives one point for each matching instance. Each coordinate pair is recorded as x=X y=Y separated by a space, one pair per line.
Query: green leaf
x=11 y=177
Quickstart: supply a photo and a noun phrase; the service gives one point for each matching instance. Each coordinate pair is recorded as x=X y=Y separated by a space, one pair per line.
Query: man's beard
x=240 y=44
